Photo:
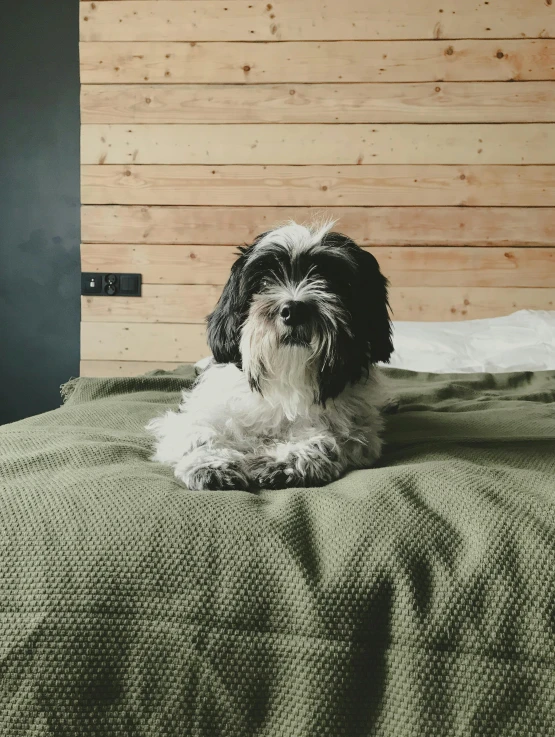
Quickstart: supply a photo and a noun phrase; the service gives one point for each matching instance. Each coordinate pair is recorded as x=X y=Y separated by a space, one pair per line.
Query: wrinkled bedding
x=416 y=598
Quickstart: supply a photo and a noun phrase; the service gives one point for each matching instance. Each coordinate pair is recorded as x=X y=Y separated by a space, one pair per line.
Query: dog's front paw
x=209 y=477
x=267 y=473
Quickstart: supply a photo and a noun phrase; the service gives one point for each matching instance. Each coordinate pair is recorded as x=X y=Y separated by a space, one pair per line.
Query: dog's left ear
x=373 y=308
x=224 y=324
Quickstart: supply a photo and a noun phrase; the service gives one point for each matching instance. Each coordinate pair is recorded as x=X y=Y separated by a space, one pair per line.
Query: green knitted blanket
x=414 y=599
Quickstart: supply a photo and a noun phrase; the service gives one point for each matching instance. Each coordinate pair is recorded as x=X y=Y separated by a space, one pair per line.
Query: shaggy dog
x=292 y=398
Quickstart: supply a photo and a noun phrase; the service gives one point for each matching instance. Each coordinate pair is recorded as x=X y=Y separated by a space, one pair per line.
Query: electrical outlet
x=111 y=285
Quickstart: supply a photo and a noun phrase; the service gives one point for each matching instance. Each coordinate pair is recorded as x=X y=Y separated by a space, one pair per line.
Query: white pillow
x=523 y=341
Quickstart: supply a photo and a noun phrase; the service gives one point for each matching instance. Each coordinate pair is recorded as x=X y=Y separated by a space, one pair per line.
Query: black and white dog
x=292 y=398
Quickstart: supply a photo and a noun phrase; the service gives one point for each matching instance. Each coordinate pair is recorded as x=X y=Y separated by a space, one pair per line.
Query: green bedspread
x=416 y=598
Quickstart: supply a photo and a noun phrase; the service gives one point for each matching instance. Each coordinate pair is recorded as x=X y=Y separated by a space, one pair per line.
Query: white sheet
x=523 y=341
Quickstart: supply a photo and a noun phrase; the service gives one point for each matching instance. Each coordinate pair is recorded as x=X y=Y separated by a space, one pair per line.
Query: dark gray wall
x=39 y=204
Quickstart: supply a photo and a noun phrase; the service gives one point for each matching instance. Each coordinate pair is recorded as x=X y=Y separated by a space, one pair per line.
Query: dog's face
x=305 y=295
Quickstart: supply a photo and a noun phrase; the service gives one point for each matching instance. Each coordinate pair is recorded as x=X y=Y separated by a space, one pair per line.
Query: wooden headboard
x=425 y=127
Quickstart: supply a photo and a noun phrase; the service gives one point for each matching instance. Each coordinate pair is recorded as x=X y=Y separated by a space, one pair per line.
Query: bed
x=415 y=598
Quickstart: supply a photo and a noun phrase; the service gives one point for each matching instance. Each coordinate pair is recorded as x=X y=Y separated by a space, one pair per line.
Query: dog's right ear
x=224 y=324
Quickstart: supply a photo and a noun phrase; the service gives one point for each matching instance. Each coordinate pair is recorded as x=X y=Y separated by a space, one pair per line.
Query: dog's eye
x=264 y=283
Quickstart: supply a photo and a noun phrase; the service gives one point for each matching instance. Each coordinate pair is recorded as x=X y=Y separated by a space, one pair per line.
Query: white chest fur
x=223 y=422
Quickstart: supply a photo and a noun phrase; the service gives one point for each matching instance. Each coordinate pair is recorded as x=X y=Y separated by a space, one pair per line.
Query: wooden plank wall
x=426 y=127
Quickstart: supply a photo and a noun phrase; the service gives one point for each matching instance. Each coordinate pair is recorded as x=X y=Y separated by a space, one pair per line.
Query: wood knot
x=148 y=100
x=438 y=89
x=449 y=51
x=93 y=6
x=269 y=6
x=500 y=54
x=549 y=2
x=291 y=92
x=246 y=68
x=463 y=176
x=466 y=302
x=192 y=255
x=167 y=74
x=324 y=188
x=127 y=173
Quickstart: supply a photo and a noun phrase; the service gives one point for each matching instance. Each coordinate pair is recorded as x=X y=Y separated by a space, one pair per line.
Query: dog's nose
x=293 y=313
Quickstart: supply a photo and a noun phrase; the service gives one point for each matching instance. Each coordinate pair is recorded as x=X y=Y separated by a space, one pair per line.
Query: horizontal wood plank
x=123 y=368
x=424 y=102
x=191 y=304
x=467 y=267
x=281 y=20
x=127 y=62
x=117 y=341
x=167 y=303
x=425 y=266
x=456 y=303
x=161 y=264
x=380 y=226
x=512 y=143
x=318 y=186
x=180 y=342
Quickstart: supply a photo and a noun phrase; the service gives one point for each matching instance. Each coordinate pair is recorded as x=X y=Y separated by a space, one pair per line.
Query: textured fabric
x=414 y=599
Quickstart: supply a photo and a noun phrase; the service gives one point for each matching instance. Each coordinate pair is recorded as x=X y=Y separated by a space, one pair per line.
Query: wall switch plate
x=111 y=285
